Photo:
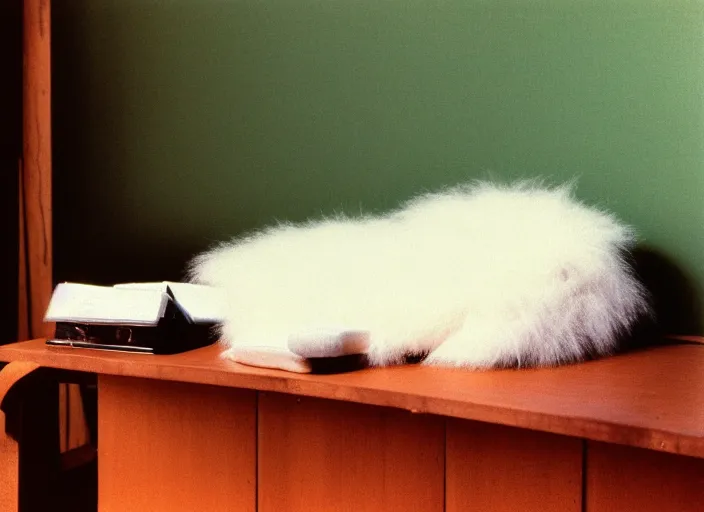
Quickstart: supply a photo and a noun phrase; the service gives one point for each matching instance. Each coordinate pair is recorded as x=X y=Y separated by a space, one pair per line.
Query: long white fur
x=478 y=276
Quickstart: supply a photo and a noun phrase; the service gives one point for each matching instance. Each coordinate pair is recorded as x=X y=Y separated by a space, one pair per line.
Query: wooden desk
x=195 y=432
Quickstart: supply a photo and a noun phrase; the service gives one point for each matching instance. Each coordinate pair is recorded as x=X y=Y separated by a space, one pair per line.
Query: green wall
x=182 y=122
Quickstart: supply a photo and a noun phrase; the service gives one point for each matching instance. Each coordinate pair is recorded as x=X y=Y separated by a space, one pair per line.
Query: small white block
x=268 y=357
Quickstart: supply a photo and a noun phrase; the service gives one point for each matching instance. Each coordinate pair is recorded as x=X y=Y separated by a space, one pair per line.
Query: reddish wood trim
x=36 y=234
x=77 y=427
x=621 y=399
x=63 y=417
x=10 y=376
x=36 y=169
x=23 y=292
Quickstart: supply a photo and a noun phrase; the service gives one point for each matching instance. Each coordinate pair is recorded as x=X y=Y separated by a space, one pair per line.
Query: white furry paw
x=448 y=356
x=329 y=343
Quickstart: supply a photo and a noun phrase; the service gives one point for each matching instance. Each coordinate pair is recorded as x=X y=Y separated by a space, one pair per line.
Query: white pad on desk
x=275 y=358
x=322 y=344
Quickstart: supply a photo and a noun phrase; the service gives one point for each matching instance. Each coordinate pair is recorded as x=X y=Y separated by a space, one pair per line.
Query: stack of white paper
x=133 y=303
x=200 y=303
x=82 y=303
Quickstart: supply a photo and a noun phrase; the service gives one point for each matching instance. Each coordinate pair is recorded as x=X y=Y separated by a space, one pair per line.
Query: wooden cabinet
x=193 y=431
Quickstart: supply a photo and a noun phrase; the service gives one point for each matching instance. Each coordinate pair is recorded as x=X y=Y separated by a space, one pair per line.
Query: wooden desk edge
x=323 y=387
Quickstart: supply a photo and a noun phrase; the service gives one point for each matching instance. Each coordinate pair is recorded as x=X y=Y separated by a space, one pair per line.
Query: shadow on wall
x=676 y=302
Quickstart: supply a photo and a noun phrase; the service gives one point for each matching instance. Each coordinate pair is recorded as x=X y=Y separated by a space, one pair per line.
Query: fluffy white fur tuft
x=477 y=276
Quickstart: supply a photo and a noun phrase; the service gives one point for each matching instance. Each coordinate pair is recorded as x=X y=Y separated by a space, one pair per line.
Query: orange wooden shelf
x=651 y=399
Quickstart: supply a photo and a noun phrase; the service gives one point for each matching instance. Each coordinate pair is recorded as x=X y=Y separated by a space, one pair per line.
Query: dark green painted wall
x=181 y=122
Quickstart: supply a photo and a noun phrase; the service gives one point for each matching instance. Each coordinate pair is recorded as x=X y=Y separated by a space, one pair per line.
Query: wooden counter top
x=651 y=399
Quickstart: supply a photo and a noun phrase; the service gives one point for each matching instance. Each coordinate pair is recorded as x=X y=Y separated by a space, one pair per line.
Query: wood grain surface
x=622 y=478
x=505 y=469
x=651 y=399
x=175 y=447
x=323 y=455
x=36 y=235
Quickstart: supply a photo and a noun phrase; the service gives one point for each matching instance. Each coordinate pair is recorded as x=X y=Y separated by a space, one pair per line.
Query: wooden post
x=36 y=243
x=36 y=235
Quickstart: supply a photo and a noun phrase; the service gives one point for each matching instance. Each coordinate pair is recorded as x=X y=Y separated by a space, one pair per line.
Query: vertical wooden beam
x=22 y=290
x=77 y=433
x=505 y=469
x=36 y=166
x=322 y=455
x=36 y=233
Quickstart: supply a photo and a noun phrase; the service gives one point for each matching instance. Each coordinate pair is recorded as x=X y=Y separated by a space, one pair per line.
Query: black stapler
x=148 y=318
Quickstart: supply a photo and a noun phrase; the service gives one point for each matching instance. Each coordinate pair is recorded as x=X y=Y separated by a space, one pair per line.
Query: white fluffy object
x=478 y=276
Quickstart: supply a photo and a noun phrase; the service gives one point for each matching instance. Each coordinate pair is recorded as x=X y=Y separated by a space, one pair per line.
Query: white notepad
x=200 y=303
x=83 y=303
x=139 y=304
